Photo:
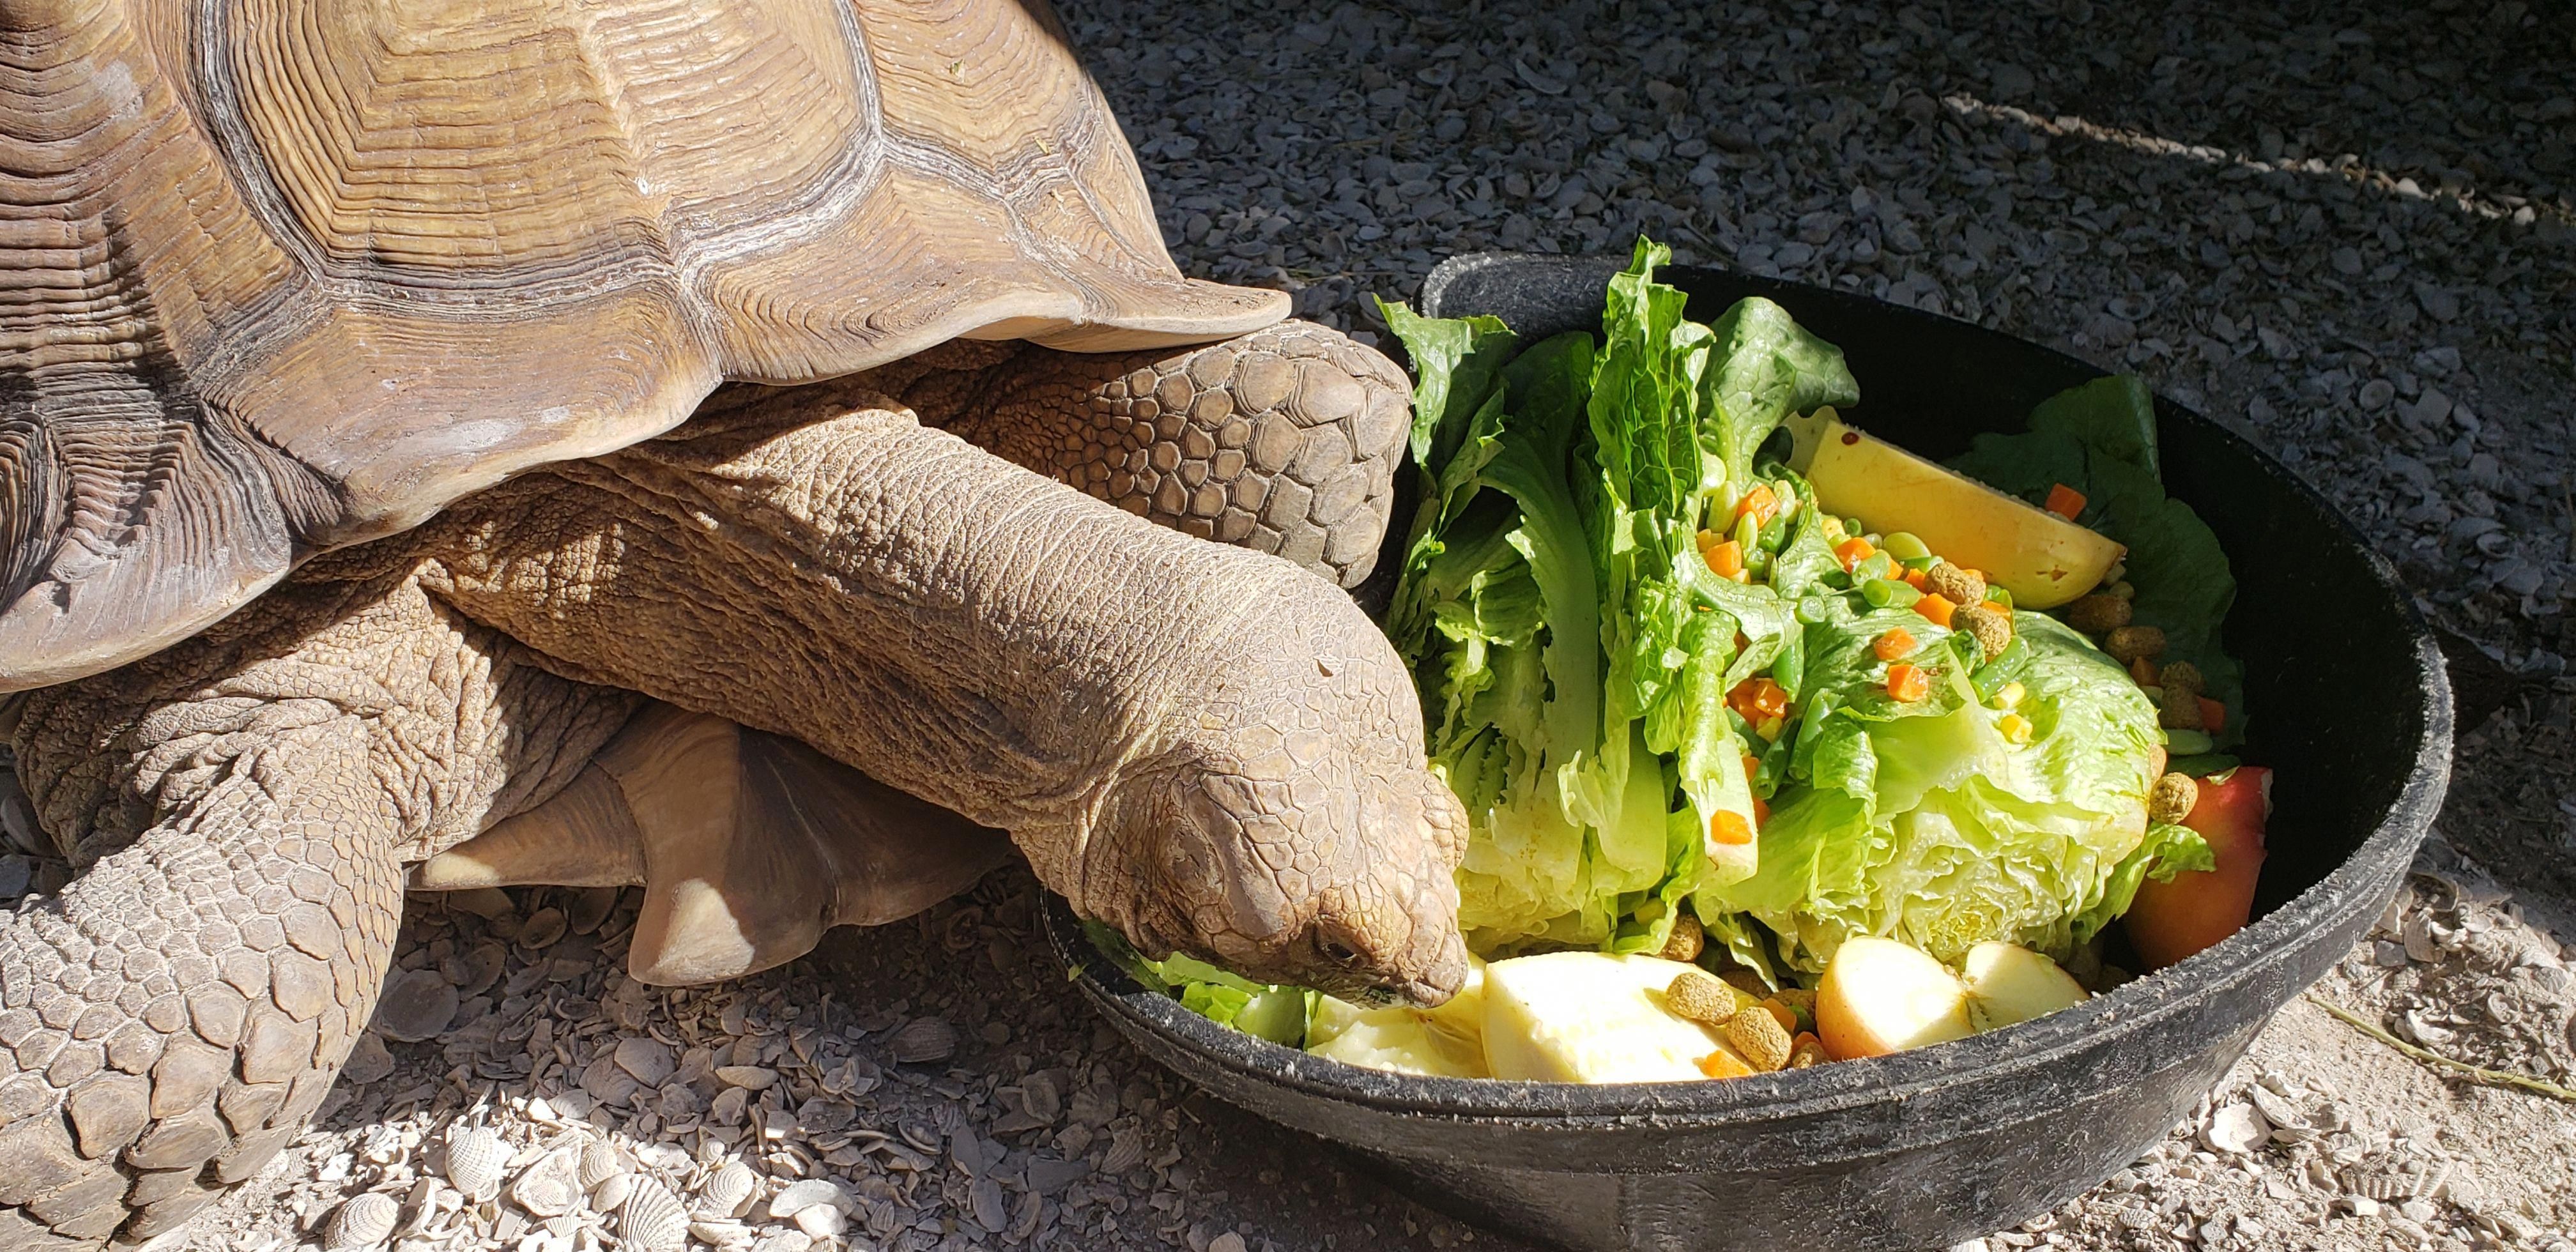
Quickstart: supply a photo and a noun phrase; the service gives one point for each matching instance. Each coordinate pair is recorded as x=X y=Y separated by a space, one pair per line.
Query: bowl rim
x=2131 y=1008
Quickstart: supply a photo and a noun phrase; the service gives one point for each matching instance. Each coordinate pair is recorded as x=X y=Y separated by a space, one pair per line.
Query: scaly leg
x=241 y=806
x=1284 y=440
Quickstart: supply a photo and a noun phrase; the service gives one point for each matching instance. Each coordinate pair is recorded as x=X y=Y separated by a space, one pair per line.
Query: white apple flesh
x=2008 y=983
x=1880 y=996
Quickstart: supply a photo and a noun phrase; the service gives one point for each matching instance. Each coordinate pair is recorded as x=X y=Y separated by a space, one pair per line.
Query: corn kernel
x=2010 y=696
x=2015 y=727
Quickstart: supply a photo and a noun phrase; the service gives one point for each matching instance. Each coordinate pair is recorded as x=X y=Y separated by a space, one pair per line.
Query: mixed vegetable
x=1771 y=748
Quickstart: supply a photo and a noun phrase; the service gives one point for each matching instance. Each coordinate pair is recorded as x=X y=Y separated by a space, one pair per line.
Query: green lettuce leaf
x=1920 y=822
x=2100 y=439
x=1275 y=1013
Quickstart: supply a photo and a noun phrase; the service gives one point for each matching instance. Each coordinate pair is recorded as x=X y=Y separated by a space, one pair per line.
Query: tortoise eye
x=1339 y=953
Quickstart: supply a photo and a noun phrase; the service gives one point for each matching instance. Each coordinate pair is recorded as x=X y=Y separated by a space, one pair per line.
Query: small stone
x=2236 y=1130
x=369 y=1061
x=649 y=1061
x=923 y=1039
x=543 y=929
x=416 y=1006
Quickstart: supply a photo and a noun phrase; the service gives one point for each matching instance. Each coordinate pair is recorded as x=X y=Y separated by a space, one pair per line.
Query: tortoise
x=760 y=451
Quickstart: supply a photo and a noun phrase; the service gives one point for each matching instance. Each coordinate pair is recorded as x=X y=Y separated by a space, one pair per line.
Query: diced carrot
x=1760 y=503
x=2213 y=715
x=1935 y=609
x=1893 y=644
x=2065 y=501
x=1851 y=552
x=1908 y=682
x=1725 y=559
x=1770 y=698
x=1727 y=828
x=1761 y=813
x=1783 y=1014
x=2144 y=671
x=1724 y=1064
x=1706 y=539
x=1752 y=765
x=1914 y=578
x=1756 y=699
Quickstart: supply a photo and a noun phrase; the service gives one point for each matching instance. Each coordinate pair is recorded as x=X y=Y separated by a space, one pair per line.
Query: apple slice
x=1880 y=996
x=2172 y=920
x=2009 y=983
x=1593 y=1017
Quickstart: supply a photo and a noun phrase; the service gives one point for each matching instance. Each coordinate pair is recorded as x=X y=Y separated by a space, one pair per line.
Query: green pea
x=1876 y=565
x=1922 y=564
x=1995 y=594
x=1775 y=533
x=1748 y=533
x=1888 y=593
x=1905 y=547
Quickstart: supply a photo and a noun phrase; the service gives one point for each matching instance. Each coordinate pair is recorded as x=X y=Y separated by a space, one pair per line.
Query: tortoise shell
x=284 y=275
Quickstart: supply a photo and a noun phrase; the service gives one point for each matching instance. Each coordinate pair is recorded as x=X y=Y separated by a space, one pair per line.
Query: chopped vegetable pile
x=1728 y=687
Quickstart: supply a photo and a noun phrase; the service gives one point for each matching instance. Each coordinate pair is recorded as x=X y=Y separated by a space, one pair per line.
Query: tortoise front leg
x=241 y=805
x=1284 y=440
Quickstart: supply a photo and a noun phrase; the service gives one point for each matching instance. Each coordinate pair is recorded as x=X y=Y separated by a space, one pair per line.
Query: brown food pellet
x=1746 y=981
x=2097 y=613
x=1992 y=630
x=2180 y=711
x=2181 y=684
x=2182 y=676
x=1687 y=939
x=1759 y=1037
x=2128 y=643
x=1955 y=583
x=1808 y=1051
x=1697 y=997
x=2172 y=798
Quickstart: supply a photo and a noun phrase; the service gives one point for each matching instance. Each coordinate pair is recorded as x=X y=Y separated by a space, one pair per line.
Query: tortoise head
x=1288 y=827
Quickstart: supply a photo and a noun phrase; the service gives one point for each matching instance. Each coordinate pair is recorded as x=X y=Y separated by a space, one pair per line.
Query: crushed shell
x=727 y=1193
x=475 y=1159
x=651 y=1219
x=361 y=1221
x=923 y=1039
x=548 y=1188
x=612 y=1192
x=797 y=1197
x=599 y=1163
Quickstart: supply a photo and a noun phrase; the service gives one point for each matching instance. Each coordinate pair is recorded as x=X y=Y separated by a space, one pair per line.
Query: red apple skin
x=2172 y=920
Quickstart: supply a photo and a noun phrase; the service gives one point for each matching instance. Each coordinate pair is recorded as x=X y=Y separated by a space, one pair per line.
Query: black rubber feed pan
x=2348 y=701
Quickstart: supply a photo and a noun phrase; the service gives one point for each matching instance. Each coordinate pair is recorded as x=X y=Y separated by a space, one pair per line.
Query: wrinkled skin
x=1209 y=748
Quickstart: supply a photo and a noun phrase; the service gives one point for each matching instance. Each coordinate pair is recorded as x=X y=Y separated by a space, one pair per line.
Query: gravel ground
x=2347 y=230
